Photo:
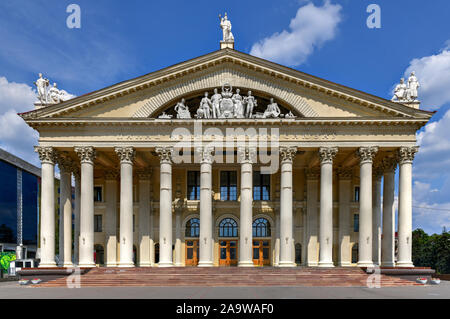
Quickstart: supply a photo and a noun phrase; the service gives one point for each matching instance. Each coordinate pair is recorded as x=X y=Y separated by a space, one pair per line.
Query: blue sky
x=119 y=40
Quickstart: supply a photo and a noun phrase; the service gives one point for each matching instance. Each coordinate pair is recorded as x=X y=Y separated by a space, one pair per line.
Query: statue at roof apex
x=49 y=96
x=225 y=25
x=407 y=92
x=41 y=85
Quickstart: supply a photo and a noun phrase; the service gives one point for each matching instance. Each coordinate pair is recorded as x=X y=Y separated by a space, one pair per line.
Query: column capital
x=366 y=154
x=165 y=154
x=288 y=153
x=111 y=174
x=327 y=154
x=312 y=173
x=406 y=155
x=46 y=154
x=345 y=173
x=389 y=164
x=246 y=154
x=145 y=174
x=87 y=154
x=126 y=154
x=65 y=162
x=205 y=153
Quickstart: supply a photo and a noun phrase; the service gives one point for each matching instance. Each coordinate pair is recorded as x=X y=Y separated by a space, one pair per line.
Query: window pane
x=223 y=253
x=266 y=253
x=190 y=253
x=232 y=253
x=255 y=253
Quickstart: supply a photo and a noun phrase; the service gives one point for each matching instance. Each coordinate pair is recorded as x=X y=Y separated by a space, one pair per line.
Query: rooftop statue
x=407 y=92
x=54 y=95
x=41 y=85
x=413 y=87
x=182 y=110
x=272 y=110
x=238 y=105
x=250 y=103
x=225 y=25
x=400 y=91
x=215 y=100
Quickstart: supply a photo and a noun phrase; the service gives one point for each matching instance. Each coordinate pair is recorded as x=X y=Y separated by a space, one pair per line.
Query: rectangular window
x=98 y=194
x=228 y=185
x=356 y=193
x=356 y=223
x=261 y=186
x=193 y=185
x=98 y=223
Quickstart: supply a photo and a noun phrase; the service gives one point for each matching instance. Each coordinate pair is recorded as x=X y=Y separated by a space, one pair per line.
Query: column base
x=245 y=263
x=178 y=264
x=165 y=264
x=47 y=265
x=312 y=264
x=404 y=264
x=325 y=264
x=205 y=264
x=345 y=264
x=111 y=264
x=125 y=264
x=282 y=264
x=365 y=264
x=388 y=264
x=145 y=264
x=86 y=265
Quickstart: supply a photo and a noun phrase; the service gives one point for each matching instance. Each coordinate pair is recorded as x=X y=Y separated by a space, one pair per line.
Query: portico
x=161 y=181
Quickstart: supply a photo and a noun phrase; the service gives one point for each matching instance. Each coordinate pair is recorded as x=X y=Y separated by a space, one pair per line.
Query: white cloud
x=433 y=73
x=17 y=137
x=309 y=30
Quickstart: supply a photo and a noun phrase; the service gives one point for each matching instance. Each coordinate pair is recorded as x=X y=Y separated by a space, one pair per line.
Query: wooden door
x=192 y=252
x=228 y=250
x=261 y=252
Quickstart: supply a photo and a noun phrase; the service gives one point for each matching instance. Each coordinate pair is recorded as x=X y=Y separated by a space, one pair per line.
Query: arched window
x=228 y=228
x=261 y=228
x=192 y=228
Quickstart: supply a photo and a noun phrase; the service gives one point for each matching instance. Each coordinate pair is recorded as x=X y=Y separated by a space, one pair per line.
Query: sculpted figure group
x=228 y=105
x=407 y=92
x=48 y=96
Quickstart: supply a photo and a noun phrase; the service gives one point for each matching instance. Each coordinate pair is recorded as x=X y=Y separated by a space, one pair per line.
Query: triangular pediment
x=149 y=95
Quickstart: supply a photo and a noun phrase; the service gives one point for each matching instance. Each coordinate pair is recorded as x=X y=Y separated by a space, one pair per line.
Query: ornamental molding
x=165 y=154
x=406 y=155
x=126 y=154
x=47 y=155
x=87 y=154
x=287 y=153
x=327 y=154
x=366 y=154
x=246 y=154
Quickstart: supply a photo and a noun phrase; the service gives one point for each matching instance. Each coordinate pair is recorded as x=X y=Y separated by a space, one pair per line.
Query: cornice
x=277 y=71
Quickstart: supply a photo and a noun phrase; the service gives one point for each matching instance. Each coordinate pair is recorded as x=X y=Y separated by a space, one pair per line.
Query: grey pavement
x=11 y=290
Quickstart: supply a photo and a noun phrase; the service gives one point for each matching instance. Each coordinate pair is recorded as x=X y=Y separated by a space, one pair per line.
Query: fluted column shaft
x=366 y=155
x=111 y=217
x=144 y=218
x=165 y=207
x=246 y=157
x=87 y=156
x=345 y=182
x=206 y=223
x=47 y=155
x=326 y=206
x=388 y=240
x=126 y=156
x=406 y=157
x=287 y=155
x=65 y=225
x=376 y=216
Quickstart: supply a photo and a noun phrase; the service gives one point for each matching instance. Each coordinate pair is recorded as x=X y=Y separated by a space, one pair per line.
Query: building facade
x=288 y=173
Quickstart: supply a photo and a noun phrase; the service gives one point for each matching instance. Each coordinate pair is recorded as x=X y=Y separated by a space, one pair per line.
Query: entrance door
x=228 y=252
x=261 y=250
x=192 y=254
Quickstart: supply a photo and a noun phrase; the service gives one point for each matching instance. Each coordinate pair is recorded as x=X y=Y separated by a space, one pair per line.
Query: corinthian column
x=126 y=156
x=47 y=155
x=65 y=164
x=388 y=240
x=366 y=155
x=246 y=156
x=111 y=217
x=376 y=215
x=287 y=155
x=87 y=155
x=144 y=217
x=326 y=206
x=406 y=157
x=205 y=239
x=165 y=207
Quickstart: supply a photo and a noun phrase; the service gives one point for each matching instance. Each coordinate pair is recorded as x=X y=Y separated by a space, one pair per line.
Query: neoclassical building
x=161 y=181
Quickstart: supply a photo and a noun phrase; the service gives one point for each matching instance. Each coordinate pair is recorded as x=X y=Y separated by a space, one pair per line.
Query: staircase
x=227 y=277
